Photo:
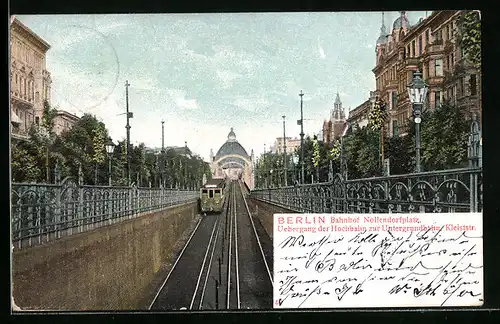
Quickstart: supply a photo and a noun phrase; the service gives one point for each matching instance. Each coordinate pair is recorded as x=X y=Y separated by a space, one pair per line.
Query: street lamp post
x=284 y=152
x=110 y=146
x=417 y=91
x=301 y=94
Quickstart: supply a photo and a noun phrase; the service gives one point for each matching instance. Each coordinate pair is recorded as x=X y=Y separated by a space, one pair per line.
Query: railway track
x=182 y=286
x=223 y=265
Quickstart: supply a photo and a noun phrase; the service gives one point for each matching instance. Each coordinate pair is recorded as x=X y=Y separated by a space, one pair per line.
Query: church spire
x=383 y=31
x=337 y=112
x=337 y=99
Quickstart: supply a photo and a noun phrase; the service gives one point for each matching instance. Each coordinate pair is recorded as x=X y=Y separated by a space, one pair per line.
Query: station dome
x=231 y=146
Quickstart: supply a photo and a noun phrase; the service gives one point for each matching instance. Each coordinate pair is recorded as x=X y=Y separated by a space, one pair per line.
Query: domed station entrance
x=232 y=161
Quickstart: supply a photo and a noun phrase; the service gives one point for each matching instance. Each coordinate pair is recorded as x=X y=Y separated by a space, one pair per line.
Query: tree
x=398 y=150
x=469 y=38
x=84 y=145
x=444 y=138
x=361 y=151
x=40 y=145
x=315 y=156
x=98 y=157
x=23 y=164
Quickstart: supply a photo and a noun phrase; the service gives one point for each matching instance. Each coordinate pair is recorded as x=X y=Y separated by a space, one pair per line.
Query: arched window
x=37 y=120
x=37 y=97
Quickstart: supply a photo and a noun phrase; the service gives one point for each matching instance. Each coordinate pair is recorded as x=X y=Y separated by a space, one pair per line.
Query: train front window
x=210 y=193
x=204 y=191
x=217 y=191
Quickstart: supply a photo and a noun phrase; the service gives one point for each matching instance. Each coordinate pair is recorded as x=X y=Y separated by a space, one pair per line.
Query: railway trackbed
x=223 y=265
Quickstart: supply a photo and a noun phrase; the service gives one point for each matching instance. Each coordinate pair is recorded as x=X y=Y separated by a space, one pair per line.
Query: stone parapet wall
x=109 y=268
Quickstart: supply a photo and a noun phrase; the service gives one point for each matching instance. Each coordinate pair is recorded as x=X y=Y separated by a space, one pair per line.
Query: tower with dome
x=233 y=161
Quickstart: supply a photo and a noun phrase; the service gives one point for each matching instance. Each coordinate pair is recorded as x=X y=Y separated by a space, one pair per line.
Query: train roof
x=214 y=182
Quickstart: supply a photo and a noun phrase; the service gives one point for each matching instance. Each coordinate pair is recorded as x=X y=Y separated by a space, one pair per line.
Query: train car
x=212 y=196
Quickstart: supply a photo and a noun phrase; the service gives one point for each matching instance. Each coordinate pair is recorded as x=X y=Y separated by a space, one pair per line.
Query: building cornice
x=67 y=114
x=23 y=30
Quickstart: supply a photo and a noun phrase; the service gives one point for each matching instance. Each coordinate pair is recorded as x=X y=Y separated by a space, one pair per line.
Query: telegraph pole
x=301 y=136
x=284 y=151
x=129 y=115
x=163 y=160
x=162 y=137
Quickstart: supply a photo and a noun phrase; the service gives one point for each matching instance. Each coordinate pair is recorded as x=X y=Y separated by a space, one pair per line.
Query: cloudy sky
x=205 y=73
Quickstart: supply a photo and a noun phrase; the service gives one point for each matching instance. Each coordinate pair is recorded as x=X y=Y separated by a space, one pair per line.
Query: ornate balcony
x=435 y=47
x=413 y=61
x=22 y=98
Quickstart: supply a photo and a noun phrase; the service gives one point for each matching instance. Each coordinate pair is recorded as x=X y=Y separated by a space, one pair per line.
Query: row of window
x=211 y=192
x=25 y=87
x=412 y=50
x=457 y=90
x=21 y=51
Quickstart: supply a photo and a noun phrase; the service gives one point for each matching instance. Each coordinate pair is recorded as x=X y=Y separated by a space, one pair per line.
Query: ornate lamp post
x=417 y=91
x=110 y=147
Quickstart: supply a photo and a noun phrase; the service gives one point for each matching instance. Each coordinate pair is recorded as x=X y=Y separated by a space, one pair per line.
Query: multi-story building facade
x=358 y=117
x=292 y=144
x=29 y=80
x=429 y=46
x=64 y=121
x=333 y=128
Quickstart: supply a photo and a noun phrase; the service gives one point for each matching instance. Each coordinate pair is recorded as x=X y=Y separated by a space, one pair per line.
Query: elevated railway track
x=226 y=263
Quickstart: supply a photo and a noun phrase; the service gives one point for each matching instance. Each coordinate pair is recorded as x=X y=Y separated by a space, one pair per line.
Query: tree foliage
x=84 y=147
x=444 y=139
x=315 y=152
x=377 y=115
x=470 y=36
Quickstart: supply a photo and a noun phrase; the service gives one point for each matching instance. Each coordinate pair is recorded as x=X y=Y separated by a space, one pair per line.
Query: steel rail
x=203 y=263
x=210 y=263
x=228 y=294
x=236 y=251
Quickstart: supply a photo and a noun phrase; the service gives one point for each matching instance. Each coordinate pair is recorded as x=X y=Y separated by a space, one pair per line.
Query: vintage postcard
x=236 y=161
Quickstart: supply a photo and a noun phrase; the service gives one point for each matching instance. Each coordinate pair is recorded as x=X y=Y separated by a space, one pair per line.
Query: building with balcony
x=29 y=80
x=333 y=128
x=430 y=46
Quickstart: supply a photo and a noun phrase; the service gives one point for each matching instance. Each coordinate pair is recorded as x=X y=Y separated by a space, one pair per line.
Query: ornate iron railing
x=43 y=212
x=458 y=190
